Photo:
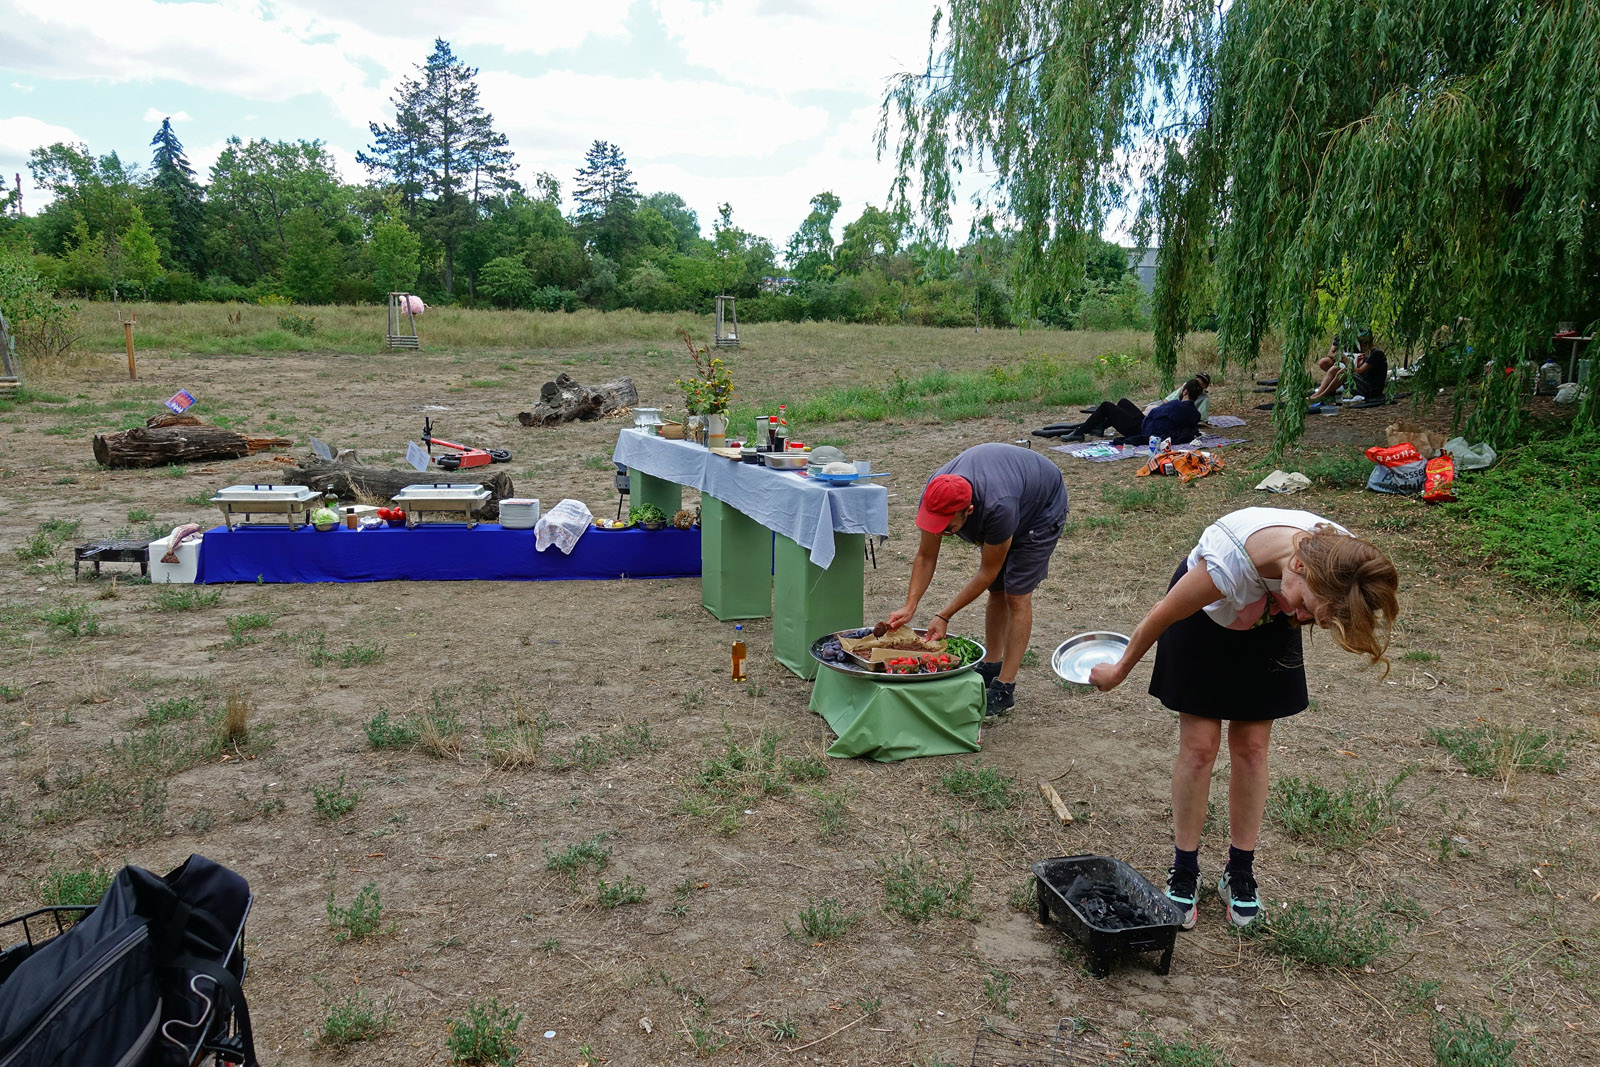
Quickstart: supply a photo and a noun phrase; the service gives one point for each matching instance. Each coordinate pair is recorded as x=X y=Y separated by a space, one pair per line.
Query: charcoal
x=1105 y=905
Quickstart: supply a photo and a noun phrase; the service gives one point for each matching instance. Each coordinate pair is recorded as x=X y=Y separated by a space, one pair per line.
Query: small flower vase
x=716 y=431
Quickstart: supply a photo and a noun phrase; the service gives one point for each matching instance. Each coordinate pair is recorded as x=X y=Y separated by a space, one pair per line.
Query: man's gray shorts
x=1028 y=562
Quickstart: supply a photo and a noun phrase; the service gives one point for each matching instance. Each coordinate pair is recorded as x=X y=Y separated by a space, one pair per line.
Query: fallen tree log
x=568 y=400
x=352 y=480
x=158 y=446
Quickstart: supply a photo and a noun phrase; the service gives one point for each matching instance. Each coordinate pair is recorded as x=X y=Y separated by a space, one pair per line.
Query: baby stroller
x=148 y=977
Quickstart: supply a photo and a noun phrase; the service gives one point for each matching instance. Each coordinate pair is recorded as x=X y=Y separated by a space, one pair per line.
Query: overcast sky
x=760 y=103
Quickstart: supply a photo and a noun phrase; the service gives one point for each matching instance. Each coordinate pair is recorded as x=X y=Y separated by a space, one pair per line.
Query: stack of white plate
x=519 y=513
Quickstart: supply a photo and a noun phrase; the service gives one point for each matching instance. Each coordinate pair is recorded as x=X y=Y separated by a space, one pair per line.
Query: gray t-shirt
x=1015 y=491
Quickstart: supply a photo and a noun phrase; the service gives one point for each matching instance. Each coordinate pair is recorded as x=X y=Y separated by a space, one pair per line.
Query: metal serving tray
x=418 y=500
x=854 y=668
x=292 y=501
x=1075 y=657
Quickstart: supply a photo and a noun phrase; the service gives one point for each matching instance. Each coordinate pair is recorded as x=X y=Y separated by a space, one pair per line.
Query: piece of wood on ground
x=1053 y=798
x=351 y=480
x=156 y=447
x=568 y=400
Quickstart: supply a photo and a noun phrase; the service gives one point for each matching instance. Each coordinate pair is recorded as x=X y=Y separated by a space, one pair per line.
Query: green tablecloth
x=808 y=602
x=888 y=721
x=735 y=562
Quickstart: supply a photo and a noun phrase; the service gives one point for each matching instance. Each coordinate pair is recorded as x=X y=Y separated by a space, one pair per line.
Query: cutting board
x=726 y=453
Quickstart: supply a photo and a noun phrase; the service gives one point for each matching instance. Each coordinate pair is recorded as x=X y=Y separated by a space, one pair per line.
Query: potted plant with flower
x=709 y=393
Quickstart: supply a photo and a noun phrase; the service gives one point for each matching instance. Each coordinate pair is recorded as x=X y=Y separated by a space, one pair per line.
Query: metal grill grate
x=1007 y=1046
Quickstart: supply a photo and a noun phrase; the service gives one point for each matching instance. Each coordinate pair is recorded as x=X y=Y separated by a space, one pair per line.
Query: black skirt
x=1216 y=673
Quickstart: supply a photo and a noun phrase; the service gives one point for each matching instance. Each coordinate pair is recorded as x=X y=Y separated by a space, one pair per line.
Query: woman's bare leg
x=1198 y=741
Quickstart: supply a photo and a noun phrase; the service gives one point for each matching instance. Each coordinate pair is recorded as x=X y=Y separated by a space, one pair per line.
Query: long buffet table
x=442 y=552
x=772 y=542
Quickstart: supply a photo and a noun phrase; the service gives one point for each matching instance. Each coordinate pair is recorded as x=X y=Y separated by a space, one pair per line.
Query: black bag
x=148 y=978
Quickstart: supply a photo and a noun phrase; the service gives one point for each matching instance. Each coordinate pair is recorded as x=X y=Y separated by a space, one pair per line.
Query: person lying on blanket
x=1178 y=418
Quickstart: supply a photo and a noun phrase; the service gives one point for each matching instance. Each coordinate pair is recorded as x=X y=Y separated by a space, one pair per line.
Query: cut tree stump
x=158 y=446
x=351 y=480
x=568 y=400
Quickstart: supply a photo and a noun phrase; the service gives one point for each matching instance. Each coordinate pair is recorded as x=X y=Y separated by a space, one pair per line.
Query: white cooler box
x=183 y=572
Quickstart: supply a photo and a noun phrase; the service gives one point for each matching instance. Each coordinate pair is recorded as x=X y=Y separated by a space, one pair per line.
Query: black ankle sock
x=1186 y=859
x=1240 y=860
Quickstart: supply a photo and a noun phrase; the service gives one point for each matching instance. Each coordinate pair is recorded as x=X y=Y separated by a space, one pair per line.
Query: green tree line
x=442 y=214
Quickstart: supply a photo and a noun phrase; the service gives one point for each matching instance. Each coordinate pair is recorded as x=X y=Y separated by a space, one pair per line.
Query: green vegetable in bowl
x=961 y=650
x=324 y=515
x=642 y=513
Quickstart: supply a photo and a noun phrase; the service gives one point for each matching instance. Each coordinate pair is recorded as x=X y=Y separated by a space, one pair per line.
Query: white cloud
x=156 y=114
x=20 y=88
x=18 y=137
x=232 y=47
x=815 y=44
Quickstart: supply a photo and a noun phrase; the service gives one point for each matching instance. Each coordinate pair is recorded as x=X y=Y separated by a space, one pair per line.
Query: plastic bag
x=561 y=526
x=1404 y=480
x=1394 y=455
x=1567 y=393
x=1440 y=475
x=1470 y=457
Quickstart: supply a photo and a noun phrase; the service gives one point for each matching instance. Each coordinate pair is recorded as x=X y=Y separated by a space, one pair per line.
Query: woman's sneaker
x=1182 y=889
x=1238 y=892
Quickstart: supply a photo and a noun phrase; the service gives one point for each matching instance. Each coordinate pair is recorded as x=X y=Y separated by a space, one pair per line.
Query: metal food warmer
x=294 y=502
x=452 y=499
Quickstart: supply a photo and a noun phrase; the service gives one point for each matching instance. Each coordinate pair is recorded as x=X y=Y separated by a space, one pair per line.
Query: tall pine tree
x=172 y=184
x=607 y=198
x=443 y=154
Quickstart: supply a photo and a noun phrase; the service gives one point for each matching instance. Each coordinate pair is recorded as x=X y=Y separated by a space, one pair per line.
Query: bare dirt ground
x=648 y=754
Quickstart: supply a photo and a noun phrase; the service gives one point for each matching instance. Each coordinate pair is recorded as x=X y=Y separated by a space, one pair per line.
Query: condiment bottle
x=772 y=433
x=783 y=428
x=738 y=653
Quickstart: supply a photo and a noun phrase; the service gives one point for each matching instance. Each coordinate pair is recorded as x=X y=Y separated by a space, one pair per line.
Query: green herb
x=962 y=650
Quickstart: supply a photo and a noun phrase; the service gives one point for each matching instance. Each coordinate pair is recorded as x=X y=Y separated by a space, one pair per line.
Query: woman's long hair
x=1356 y=589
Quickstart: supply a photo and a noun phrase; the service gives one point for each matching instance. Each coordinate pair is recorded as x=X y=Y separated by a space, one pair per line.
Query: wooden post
x=127 y=334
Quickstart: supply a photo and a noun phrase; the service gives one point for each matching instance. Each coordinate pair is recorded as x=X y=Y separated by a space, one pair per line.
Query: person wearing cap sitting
x=1012 y=502
x=1371 y=378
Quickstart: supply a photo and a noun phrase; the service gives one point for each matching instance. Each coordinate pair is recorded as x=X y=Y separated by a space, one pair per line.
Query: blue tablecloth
x=442 y=552
x=795 y=506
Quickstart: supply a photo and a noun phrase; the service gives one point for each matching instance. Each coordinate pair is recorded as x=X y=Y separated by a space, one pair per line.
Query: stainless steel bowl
x=1076 y=656
x=786 y=461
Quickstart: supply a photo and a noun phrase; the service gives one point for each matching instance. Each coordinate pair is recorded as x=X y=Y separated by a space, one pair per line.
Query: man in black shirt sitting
x=1371 y=377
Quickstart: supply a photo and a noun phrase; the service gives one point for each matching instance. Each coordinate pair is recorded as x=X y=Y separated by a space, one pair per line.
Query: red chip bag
x=1394 y=455
x=1437 y=477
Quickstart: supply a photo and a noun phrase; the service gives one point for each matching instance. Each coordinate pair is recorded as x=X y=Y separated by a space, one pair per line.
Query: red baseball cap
x=945 y=496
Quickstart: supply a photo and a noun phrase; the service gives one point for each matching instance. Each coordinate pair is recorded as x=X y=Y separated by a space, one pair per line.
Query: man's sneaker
x=1002 y=696
x=1238 y=892
x=1183 y=887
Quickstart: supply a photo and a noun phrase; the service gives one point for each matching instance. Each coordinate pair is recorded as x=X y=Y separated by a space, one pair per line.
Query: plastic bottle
x=783 y=427
x=738 y=653
x=772 y=433
x=1549 y=379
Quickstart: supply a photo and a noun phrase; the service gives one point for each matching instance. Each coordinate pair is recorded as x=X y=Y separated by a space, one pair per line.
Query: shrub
x=484 y=1037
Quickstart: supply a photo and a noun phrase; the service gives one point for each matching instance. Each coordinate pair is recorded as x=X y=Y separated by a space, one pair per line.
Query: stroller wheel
x=448 y=463
x=499 y=455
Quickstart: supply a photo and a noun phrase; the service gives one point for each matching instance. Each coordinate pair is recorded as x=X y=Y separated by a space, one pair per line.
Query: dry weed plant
x=236 y=718
x=440 y=742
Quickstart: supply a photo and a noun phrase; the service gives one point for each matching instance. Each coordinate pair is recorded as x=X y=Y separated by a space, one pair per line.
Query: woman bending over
x=1228 y=649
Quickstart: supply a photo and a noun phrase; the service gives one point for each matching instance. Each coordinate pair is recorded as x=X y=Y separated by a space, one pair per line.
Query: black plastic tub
x=1149 y=921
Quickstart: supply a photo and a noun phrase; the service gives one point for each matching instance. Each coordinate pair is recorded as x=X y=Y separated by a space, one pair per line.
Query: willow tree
x=1433 y=163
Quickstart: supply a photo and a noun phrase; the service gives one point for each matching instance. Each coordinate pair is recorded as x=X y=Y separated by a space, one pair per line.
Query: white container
x=519 y=513
x=183 y=572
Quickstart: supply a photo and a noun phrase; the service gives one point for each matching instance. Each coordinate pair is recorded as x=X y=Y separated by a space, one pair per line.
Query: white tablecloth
x=800 y=509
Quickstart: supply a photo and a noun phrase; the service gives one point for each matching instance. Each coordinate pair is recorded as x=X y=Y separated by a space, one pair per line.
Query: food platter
x=1075 y=657
x=855 y=670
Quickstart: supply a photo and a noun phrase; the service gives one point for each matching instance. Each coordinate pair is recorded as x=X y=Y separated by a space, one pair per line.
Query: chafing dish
x=419 y=500
x=294 y=502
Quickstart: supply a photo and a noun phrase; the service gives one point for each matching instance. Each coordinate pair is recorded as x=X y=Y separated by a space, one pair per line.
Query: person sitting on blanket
x=1371 y=375
x=1178 y=418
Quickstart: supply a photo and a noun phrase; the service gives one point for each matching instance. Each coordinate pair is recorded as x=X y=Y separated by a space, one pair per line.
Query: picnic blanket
x=1105 y=452
x=1223 y=422
x=1101 y=452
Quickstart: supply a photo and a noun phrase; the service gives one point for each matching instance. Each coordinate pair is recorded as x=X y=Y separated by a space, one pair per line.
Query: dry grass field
x=467 y=805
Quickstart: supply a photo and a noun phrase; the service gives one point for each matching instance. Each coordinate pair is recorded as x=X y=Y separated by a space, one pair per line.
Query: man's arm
x=922 y=568
x=989 y=564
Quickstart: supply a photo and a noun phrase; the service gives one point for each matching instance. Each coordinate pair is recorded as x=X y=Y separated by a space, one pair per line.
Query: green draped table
x=773 y=543
x=888 y=721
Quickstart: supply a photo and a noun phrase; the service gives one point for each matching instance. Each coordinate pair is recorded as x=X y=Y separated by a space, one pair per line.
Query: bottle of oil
x=738 y=653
